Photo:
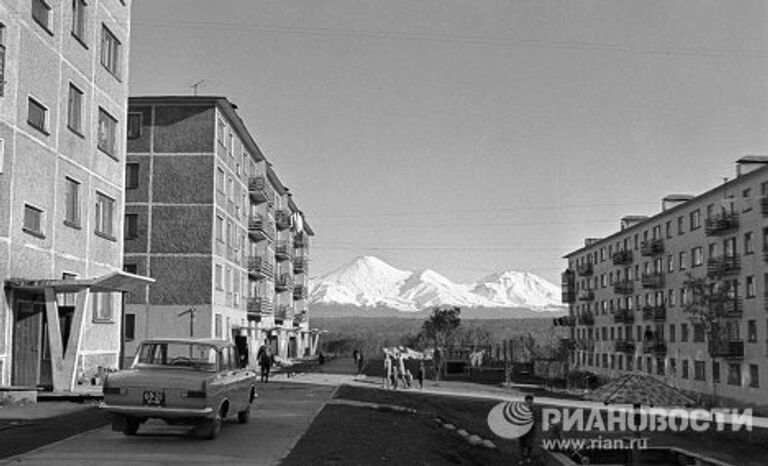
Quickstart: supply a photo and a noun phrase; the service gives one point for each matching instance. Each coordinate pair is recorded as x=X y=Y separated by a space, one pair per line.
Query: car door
x=242 y=379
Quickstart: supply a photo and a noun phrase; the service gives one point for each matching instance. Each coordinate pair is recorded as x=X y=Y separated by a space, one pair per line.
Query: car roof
x=200 y=341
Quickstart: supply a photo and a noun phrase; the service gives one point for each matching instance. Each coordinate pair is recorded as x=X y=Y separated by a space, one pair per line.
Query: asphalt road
x=282 y=414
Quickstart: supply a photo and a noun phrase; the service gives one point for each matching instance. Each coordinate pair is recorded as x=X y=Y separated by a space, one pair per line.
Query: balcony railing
x=260 y=227
x=300 y=264
x=260 y=191
x=259 y=267
x=585 y=269
x=655 y=313
x=653 y=280
x=726 y=349
x=284 y=311
x=565 y=321
x=284 y=282
x=301 y=240
x=283 y=219
x=586 y=319
x=721 y=223
x=729 y=306
x=657 y=347
x=623 y=287
x=624 y=316
x=586 y=295
x=652 y=247
x=764 y=206
x=569 y=296
x=585 y=345
x=258 y=306
x=622 y=257
x=723 y=265
x=624 y=346
x=299 y=292
x=283 y=251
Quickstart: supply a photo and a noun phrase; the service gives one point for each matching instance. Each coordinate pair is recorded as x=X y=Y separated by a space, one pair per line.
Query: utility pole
x=191 y=311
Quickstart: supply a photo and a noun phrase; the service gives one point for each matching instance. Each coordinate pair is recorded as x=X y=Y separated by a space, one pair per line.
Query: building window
x=695 y=219
x=131 y=268
x=79 y=20
x=129 y=329
x=699 y=371
x=671 y=298
x=715 y=372
x=750 y=286
x=131 y=226
x=698 y=333
x=105 y=208
x=668 y=228
x=37 y=115
x=220 y=179
x=218 y=279
x=754 y=376
x=134 y=125
x=219 y=229
x=697 y=256
x=752 y=331
x=101 y=303
x=72 y=203
x=41 y=13
x=33 y=220
x=734 y=374
x=107 y=132
x=680 y=227
x=220 y=133
x=672 y=333
x=685 y=369
x=681 y=262
x=683 y=333
x=66 y=299
x=670 y=263
x=110 y=51
x=217 y=325
x=749 y=246
x=75 y=110
x=131 y=175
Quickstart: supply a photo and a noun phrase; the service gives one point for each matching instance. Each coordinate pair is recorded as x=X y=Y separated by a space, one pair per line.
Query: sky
x=471 y=136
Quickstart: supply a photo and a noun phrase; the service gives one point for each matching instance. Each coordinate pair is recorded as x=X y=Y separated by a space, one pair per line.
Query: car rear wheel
x=131 y=426
x=210 y=428
x=244 y=416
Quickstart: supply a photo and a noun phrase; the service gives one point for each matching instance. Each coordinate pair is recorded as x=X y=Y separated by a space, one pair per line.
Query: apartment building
x=627 y=292
x=63 y=97
x=208 y=218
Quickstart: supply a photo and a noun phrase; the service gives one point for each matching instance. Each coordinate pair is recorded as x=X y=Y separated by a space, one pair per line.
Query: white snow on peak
x=368 y=281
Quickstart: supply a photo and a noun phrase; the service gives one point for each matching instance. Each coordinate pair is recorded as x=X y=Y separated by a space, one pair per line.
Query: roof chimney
x=750 y=163
x=632 y=220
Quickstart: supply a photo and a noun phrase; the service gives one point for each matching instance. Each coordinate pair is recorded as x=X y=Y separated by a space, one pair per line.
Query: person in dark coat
x=266 y=358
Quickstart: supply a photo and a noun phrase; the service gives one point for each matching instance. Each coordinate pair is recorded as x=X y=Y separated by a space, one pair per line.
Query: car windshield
x=177 y=354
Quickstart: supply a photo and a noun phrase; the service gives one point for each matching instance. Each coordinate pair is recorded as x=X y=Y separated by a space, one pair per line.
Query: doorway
x=29 y=343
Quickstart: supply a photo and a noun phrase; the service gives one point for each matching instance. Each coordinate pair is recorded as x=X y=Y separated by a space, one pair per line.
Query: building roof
x=722 y=187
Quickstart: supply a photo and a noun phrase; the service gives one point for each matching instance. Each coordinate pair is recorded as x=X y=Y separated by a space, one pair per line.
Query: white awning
x=113 y=281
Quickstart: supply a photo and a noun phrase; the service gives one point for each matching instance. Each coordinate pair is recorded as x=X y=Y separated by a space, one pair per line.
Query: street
x=282 y=414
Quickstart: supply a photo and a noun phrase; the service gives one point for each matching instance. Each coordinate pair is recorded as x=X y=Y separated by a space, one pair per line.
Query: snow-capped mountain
x=368 y=281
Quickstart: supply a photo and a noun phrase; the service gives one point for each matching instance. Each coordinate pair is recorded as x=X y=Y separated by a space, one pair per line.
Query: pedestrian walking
x=527 y=440
x=360 y=364
x=387 y=371
x=356 y=356
x=420 y=375
x=266 y=358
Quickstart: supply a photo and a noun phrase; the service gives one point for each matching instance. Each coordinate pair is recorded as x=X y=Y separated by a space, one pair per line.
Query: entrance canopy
x=113 y=281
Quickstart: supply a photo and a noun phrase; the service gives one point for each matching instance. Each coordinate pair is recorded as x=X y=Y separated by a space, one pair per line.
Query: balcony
x=283 y=219
x=283 y=251
x=623 y=287
x=586 y=295
x=720 y=224
x=723 y=265
x=284 y=312
x=657 y=347
x=568 y=286
x=300 y=317
x=301 y=240
x=624 y=316
x=732 y=349
x=259 y=267
x=729 y=307
x=565 y=321
x=300 y=292
x=585 y=269
x=623 y=257
x=260 y=228
x=624 y=346
x=587 y=319
x=653 y=280
x=652 y=247
x=260 y=191
x=585 y=345
x=655 y=313
x=764 y=206
x=258 y=306
x=284 y=282
x=300 y=264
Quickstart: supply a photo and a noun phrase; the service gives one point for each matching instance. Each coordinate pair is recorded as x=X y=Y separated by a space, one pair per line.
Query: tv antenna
x=197 y=84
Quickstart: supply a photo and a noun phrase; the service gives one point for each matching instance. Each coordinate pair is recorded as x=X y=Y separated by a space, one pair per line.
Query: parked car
x=182 y=381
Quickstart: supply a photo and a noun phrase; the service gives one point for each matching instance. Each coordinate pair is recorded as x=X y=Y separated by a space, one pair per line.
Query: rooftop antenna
x=197 y=84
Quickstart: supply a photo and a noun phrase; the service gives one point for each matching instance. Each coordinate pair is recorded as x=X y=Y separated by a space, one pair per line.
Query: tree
x=440 y=329
x=709 y=302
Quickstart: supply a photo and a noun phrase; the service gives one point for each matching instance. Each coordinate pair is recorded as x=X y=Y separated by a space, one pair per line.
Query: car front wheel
x=210 y=428
x=131 y=426
x=244 y=416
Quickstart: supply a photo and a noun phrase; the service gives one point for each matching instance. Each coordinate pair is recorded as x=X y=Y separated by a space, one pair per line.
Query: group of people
x=397 y=374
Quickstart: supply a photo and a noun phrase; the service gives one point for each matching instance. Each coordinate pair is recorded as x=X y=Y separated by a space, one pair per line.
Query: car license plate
x=154 y=398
